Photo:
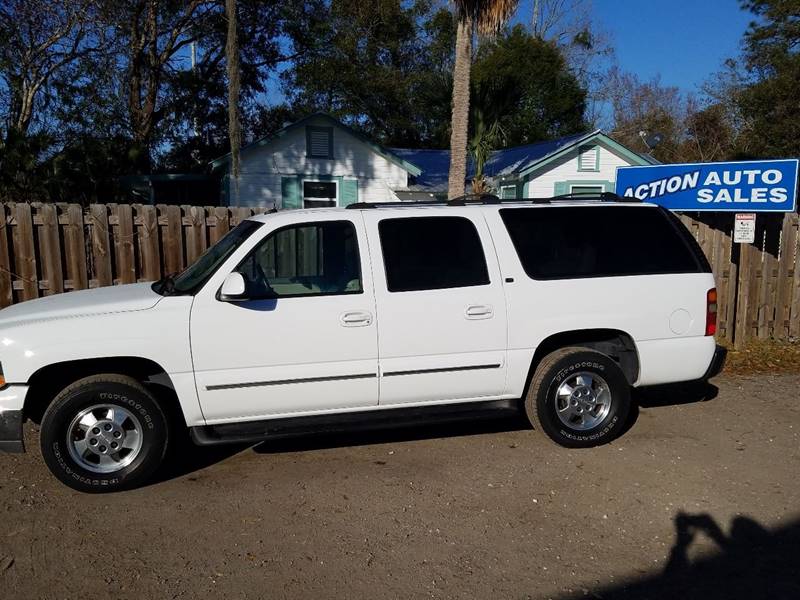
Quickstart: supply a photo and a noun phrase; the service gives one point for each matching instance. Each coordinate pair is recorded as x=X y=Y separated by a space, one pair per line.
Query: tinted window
x=597 y=241
x=430 y=253
x=304 y=260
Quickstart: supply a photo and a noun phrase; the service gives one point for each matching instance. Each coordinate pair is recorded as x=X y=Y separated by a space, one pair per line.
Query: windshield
x=194 y=276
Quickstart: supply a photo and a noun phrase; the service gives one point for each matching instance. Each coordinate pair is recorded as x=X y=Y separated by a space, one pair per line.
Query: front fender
x=159 y=334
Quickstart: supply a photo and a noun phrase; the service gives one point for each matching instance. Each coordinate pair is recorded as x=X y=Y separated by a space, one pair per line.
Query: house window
x=508 y=192
x=319 y=142
x=320 y=193
x=586 y=189
x=588 y=158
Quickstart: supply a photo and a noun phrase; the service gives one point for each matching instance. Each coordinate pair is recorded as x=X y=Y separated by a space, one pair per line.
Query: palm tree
x=486 y=135
x=486 y=17
x=234 y=124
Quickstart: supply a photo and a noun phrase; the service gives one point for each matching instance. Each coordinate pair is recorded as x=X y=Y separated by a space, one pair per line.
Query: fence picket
x=6 y=284
x=102 y=271
x=25 y=253
x=50 y=249
x=75 y=248
x=123 y=243
x=173 y=248
x=148 y=242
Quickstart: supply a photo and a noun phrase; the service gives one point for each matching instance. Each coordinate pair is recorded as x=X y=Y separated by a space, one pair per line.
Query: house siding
x=264 y=168
x=544 y=183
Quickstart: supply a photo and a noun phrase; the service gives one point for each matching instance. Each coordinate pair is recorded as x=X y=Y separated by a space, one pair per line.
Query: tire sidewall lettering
x=584 y=364
x=124 y=400
x=74 y=474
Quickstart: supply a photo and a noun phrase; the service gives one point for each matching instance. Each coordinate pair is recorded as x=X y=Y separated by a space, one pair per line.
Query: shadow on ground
x=751 y=562
x=184 y=457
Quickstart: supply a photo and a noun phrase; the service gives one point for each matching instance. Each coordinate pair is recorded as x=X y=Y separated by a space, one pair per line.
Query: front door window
x=310 y=259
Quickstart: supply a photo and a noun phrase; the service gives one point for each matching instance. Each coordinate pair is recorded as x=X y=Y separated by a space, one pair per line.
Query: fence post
x=25 y=252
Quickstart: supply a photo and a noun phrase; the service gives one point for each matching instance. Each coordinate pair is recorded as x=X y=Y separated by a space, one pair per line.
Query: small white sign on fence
x=744 y=229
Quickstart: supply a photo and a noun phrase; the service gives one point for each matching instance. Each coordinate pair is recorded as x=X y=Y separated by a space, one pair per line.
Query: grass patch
x=764 y=356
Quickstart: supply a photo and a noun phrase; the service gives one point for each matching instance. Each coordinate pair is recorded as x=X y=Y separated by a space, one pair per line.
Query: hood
x=82 y=303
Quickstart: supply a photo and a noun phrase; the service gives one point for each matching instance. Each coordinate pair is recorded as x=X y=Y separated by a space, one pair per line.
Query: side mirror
x=233 y=288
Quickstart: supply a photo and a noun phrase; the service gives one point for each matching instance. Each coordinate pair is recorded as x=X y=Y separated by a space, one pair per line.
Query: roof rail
x=492 y=199
x=396 y=203
x=601 y=196
x=483 y=198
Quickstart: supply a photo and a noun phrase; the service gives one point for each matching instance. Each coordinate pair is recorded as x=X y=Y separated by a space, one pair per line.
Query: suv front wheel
x=579 y=397
x=103 y=433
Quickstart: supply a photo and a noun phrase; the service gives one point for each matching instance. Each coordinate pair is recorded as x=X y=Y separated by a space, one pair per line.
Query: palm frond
x=489 y=16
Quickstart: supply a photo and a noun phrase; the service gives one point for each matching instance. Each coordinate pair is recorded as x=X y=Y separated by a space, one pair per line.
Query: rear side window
x=597 y=241
x=431 y=253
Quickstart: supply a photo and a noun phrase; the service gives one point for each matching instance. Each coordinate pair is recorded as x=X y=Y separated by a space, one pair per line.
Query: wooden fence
x=758 y=285
x=51 y=248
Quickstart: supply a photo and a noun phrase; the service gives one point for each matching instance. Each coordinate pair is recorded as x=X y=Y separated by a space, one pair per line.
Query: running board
x=257 y=431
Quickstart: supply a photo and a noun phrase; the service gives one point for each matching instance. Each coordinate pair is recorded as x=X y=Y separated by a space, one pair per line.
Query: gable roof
x=517 y=161
x=386 y=153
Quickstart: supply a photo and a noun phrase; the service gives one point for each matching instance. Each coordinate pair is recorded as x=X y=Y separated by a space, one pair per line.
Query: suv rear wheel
x=103 y=433
x=579 y=397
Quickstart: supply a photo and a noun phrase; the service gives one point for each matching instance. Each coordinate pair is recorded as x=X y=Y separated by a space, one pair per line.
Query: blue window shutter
x=348 y=192
x=560 y=188
x=290 y=193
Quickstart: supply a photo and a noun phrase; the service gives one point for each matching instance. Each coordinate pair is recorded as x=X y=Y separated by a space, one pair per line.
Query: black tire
x=555 y=369
x=112 y=390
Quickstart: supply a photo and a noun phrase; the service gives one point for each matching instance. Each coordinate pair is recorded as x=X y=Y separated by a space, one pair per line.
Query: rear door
x=441 y=307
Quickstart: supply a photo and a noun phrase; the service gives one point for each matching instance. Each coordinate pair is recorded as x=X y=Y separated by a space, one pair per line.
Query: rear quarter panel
x=663 y=314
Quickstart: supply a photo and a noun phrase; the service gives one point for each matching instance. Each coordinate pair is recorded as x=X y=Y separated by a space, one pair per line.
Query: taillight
x=711 y=311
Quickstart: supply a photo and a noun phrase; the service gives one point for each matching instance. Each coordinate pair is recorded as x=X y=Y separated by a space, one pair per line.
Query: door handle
x=479 y=311
x=356 y=319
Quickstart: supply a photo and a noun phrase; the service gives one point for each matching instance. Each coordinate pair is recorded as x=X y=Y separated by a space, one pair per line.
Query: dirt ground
x=699 y=499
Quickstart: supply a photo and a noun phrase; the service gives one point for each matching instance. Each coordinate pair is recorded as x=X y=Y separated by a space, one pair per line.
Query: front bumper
x=717 y=362
x=12 y=399
x=11 y=431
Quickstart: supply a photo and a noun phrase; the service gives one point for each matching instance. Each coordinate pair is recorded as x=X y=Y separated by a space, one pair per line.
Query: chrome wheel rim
x=583 y=400
x=104 y=438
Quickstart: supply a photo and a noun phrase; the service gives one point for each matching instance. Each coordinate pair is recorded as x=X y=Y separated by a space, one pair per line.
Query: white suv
x=374 y=314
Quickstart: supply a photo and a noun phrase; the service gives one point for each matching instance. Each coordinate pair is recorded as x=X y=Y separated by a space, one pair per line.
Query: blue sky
x=684 y=41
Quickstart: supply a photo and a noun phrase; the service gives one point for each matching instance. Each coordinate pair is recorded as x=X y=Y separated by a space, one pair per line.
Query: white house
x=319 y=161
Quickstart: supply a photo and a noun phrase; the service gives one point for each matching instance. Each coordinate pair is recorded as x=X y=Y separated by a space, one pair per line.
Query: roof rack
x=458 y=201
x=482 y=199
x=601 y=196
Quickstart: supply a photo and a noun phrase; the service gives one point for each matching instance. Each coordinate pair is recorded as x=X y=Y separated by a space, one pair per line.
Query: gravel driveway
x=700 y=498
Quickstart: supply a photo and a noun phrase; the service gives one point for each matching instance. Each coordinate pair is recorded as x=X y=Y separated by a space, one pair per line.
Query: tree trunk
x=234 y=126
x=460 y=117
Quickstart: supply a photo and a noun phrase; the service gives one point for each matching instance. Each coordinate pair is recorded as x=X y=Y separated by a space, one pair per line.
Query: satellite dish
x=651 y=140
